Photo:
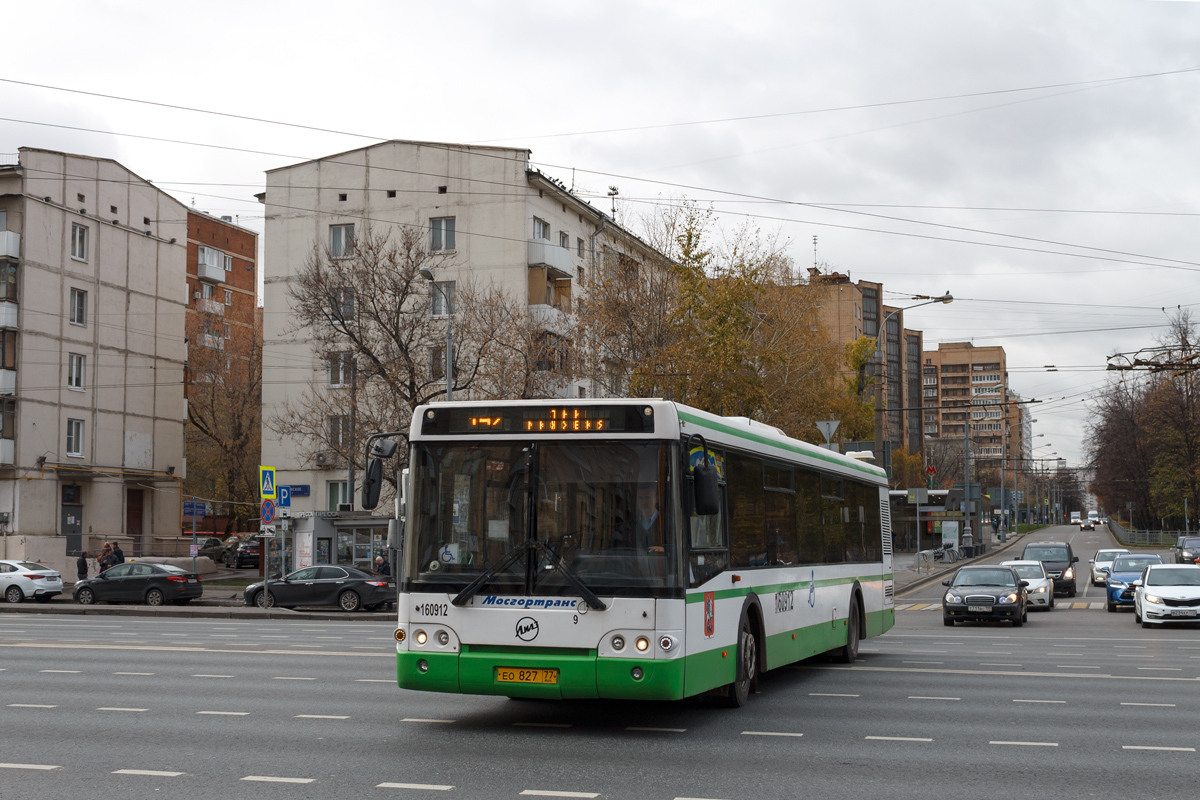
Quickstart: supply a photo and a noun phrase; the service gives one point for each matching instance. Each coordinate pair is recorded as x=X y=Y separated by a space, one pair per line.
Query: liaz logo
x=527 y=629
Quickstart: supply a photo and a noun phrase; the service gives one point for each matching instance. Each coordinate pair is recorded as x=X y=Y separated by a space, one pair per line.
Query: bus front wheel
x=738 y=692
x=848 y=654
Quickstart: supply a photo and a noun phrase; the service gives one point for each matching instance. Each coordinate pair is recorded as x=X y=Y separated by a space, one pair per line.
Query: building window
x=339 y=369
x=8 y=282
x=339 y=431
x=564 y=241
x=208 y=257
x=225 y=327
x=78 y=313
x=341 y=241
x=443 y=298
x=75 y=438
x=8 y=349
x=75 y=366
x=579 y=247
x=344 y=303
x=79 y=242
x=442 y=233
x=228 y=297
x=338 y=492
x=8 y=419
x=541 y=229
x=227 y=262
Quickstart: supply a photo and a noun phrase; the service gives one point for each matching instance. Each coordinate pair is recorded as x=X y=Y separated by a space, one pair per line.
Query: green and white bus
x=551 y=550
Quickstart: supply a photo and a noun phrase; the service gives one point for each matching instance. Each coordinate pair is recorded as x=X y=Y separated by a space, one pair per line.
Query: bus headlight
x=642 y=644
x=421 y=637
x=618 y=643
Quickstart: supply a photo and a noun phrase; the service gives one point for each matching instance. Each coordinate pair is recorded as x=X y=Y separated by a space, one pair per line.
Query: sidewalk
x=908 y=579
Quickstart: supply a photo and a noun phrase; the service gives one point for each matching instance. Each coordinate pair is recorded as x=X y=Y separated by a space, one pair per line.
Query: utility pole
x=967 y=475
x=349 y=446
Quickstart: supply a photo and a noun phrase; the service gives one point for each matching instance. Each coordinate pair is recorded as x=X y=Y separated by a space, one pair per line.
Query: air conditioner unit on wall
x=323 y=459
x=195 y=295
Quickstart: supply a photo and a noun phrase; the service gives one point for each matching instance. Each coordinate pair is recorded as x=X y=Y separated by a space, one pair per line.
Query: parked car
x=213 y=547
x=985 y=592
x=345 y=587
x=1167 y=593
x=139 y=582
x=1059 y=560
x=1102 y=562
x=245 y=551
x=1187 y=549
x=1040 y=588
x=1124 y=571
x=22 y=579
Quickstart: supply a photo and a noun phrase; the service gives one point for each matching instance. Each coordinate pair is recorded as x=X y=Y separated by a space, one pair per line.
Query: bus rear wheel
x=738 y=692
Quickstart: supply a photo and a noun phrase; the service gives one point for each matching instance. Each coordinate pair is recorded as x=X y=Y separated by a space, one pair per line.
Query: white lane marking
x=928 y=652
x=1027 y=744
x=372 y=680
x=897 y=739
x=1151 y=705
x=993 y=652
x=1068 y=645
x=174 y=634
x=830 y=694
x=286 y=678
x=920 y=697
x=1124 y=655
x=771 y=733
x=1040 y=701
x=212 y=676
x=1074 y=666
x=117 y=708
x=1129 y=647
x=995 y=664
x=154 y=773
x=1167 y=749
x=552 y=793
x=427 y=787
x=29 y=766
x=269 y=779
x=225 y=713
x=541 y=724
x=932 y=662
x=655 y=730
x=61 y=671
x=320 y=716
x=29 y=705
x=133 y=673
x=437 y=721
x=1162 y=669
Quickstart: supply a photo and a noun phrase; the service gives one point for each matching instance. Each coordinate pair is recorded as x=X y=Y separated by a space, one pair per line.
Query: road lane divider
x=271 y=779
x=1164 y=749
x=541 y=724
x=554 y=793
x=420 y=787
x=1058 y=702
x=771 y=733
x=320 y=716
x=831 y=694
x=1151 y=705
x=921 y=697
x=897 y=739
x=29 y=705
x=430 y=721
x=153 y=773
x=225 y=713
x=1025 y=744
x=43 y=767
x=655 y=730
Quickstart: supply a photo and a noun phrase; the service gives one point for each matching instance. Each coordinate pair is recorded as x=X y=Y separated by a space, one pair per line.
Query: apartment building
x=484 y=211
x=968 y=385
x=92 y=262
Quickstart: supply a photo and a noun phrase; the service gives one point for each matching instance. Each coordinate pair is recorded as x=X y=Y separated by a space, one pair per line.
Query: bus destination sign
x=585 y=419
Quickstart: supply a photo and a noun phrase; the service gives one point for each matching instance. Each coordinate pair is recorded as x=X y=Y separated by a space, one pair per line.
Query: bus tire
x=849 y=652
x=746 y=656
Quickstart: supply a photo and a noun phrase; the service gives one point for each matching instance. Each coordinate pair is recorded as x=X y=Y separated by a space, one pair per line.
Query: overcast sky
x=1099 y=166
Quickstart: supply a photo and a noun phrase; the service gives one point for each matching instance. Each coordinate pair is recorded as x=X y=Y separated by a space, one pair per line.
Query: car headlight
x=1040 y=590
x=953 y=598
x=1151 y=598
x=1068 y=574
x=1116 y=584
x=1008 y=599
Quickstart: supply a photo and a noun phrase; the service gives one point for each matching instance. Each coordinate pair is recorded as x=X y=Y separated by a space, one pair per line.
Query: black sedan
x=985 y=593
x=345 y=587
x=243 y=552
x=139 y=582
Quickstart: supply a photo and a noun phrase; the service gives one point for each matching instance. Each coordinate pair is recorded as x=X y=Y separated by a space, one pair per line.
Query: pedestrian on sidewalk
x=106 y=559
x=118 y=553
x=382 y=567
x=81 y=566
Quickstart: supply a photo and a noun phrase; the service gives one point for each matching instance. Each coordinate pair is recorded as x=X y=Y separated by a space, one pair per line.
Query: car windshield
x=1173 y=576
x=1191 y=544
x=1108 y=555
x=1135 y=563
x=1046 y=553
x=1029 y=571
x=172 y=568
x=984 y=577
x=595 y=511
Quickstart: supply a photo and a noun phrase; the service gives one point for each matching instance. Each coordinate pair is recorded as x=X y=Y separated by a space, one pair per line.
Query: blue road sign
x=268 y=512
x=195 y=508
x=285 y=497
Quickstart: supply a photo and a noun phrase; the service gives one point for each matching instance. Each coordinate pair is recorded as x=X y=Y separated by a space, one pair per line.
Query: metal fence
x=10 y=159
x=1145 y=538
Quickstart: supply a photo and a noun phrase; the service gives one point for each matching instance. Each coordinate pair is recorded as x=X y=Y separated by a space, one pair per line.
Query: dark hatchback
x=242 y=552
x=1059 y=561
x=1187 y=550
x=345 y=587
x=983 y=593
x=139 y=582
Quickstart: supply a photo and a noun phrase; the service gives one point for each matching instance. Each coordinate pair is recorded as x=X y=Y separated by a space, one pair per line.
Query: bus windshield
x=599 y=506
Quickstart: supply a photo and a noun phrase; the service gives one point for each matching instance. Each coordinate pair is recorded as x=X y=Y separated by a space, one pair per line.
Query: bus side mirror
x=393 y=537
x=372 y=483
x=707 y=491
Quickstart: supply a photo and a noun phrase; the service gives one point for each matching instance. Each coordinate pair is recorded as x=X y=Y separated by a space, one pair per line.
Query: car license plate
x=983 y=609
x=1182 y=613
x=534 y=675
x=191 y=580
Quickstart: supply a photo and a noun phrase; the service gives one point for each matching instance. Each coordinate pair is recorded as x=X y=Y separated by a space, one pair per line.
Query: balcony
x=7 y=451
x=210 y=273
x=8 y=381
x=544 y=254
x=8 y=314
x=212 y=341
x=549 y=318
x=211 y=306
x=10 y=244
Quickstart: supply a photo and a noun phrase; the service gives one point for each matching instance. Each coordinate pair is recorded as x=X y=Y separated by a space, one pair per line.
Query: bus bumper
x=580 y=676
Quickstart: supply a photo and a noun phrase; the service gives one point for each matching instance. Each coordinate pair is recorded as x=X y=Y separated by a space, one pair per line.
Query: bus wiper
x=556 y=562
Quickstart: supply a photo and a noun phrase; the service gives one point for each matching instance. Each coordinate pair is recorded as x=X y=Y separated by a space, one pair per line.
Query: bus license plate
x=536 y=675
x=979 y=609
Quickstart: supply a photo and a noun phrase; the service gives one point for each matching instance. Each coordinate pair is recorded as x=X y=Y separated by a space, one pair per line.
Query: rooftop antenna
x=572 y=179
x=613 y=192
x=815 y=252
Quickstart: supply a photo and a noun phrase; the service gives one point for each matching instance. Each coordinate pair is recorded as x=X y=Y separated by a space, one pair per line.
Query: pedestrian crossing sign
x=266 y=483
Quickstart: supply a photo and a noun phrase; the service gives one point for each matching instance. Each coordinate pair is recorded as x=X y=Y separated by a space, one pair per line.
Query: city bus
x=630 y=548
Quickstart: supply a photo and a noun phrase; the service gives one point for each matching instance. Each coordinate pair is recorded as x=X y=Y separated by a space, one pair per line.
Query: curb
x=192 y=613
x=923 y=582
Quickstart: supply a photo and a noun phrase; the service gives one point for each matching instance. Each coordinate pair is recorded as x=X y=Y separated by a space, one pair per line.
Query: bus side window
x=747 y=512
x=809 y=530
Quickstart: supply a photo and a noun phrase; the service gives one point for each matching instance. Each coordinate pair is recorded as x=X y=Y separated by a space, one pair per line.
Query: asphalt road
x=1077 y=702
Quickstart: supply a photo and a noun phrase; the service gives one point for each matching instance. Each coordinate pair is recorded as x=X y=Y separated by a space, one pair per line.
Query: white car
x=22 y=579
x=1103 y=561
x=1040 y=591
x=1167 y=593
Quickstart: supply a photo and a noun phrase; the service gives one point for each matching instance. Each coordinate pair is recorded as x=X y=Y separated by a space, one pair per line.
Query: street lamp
x=427 y=274
x=926 y=300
